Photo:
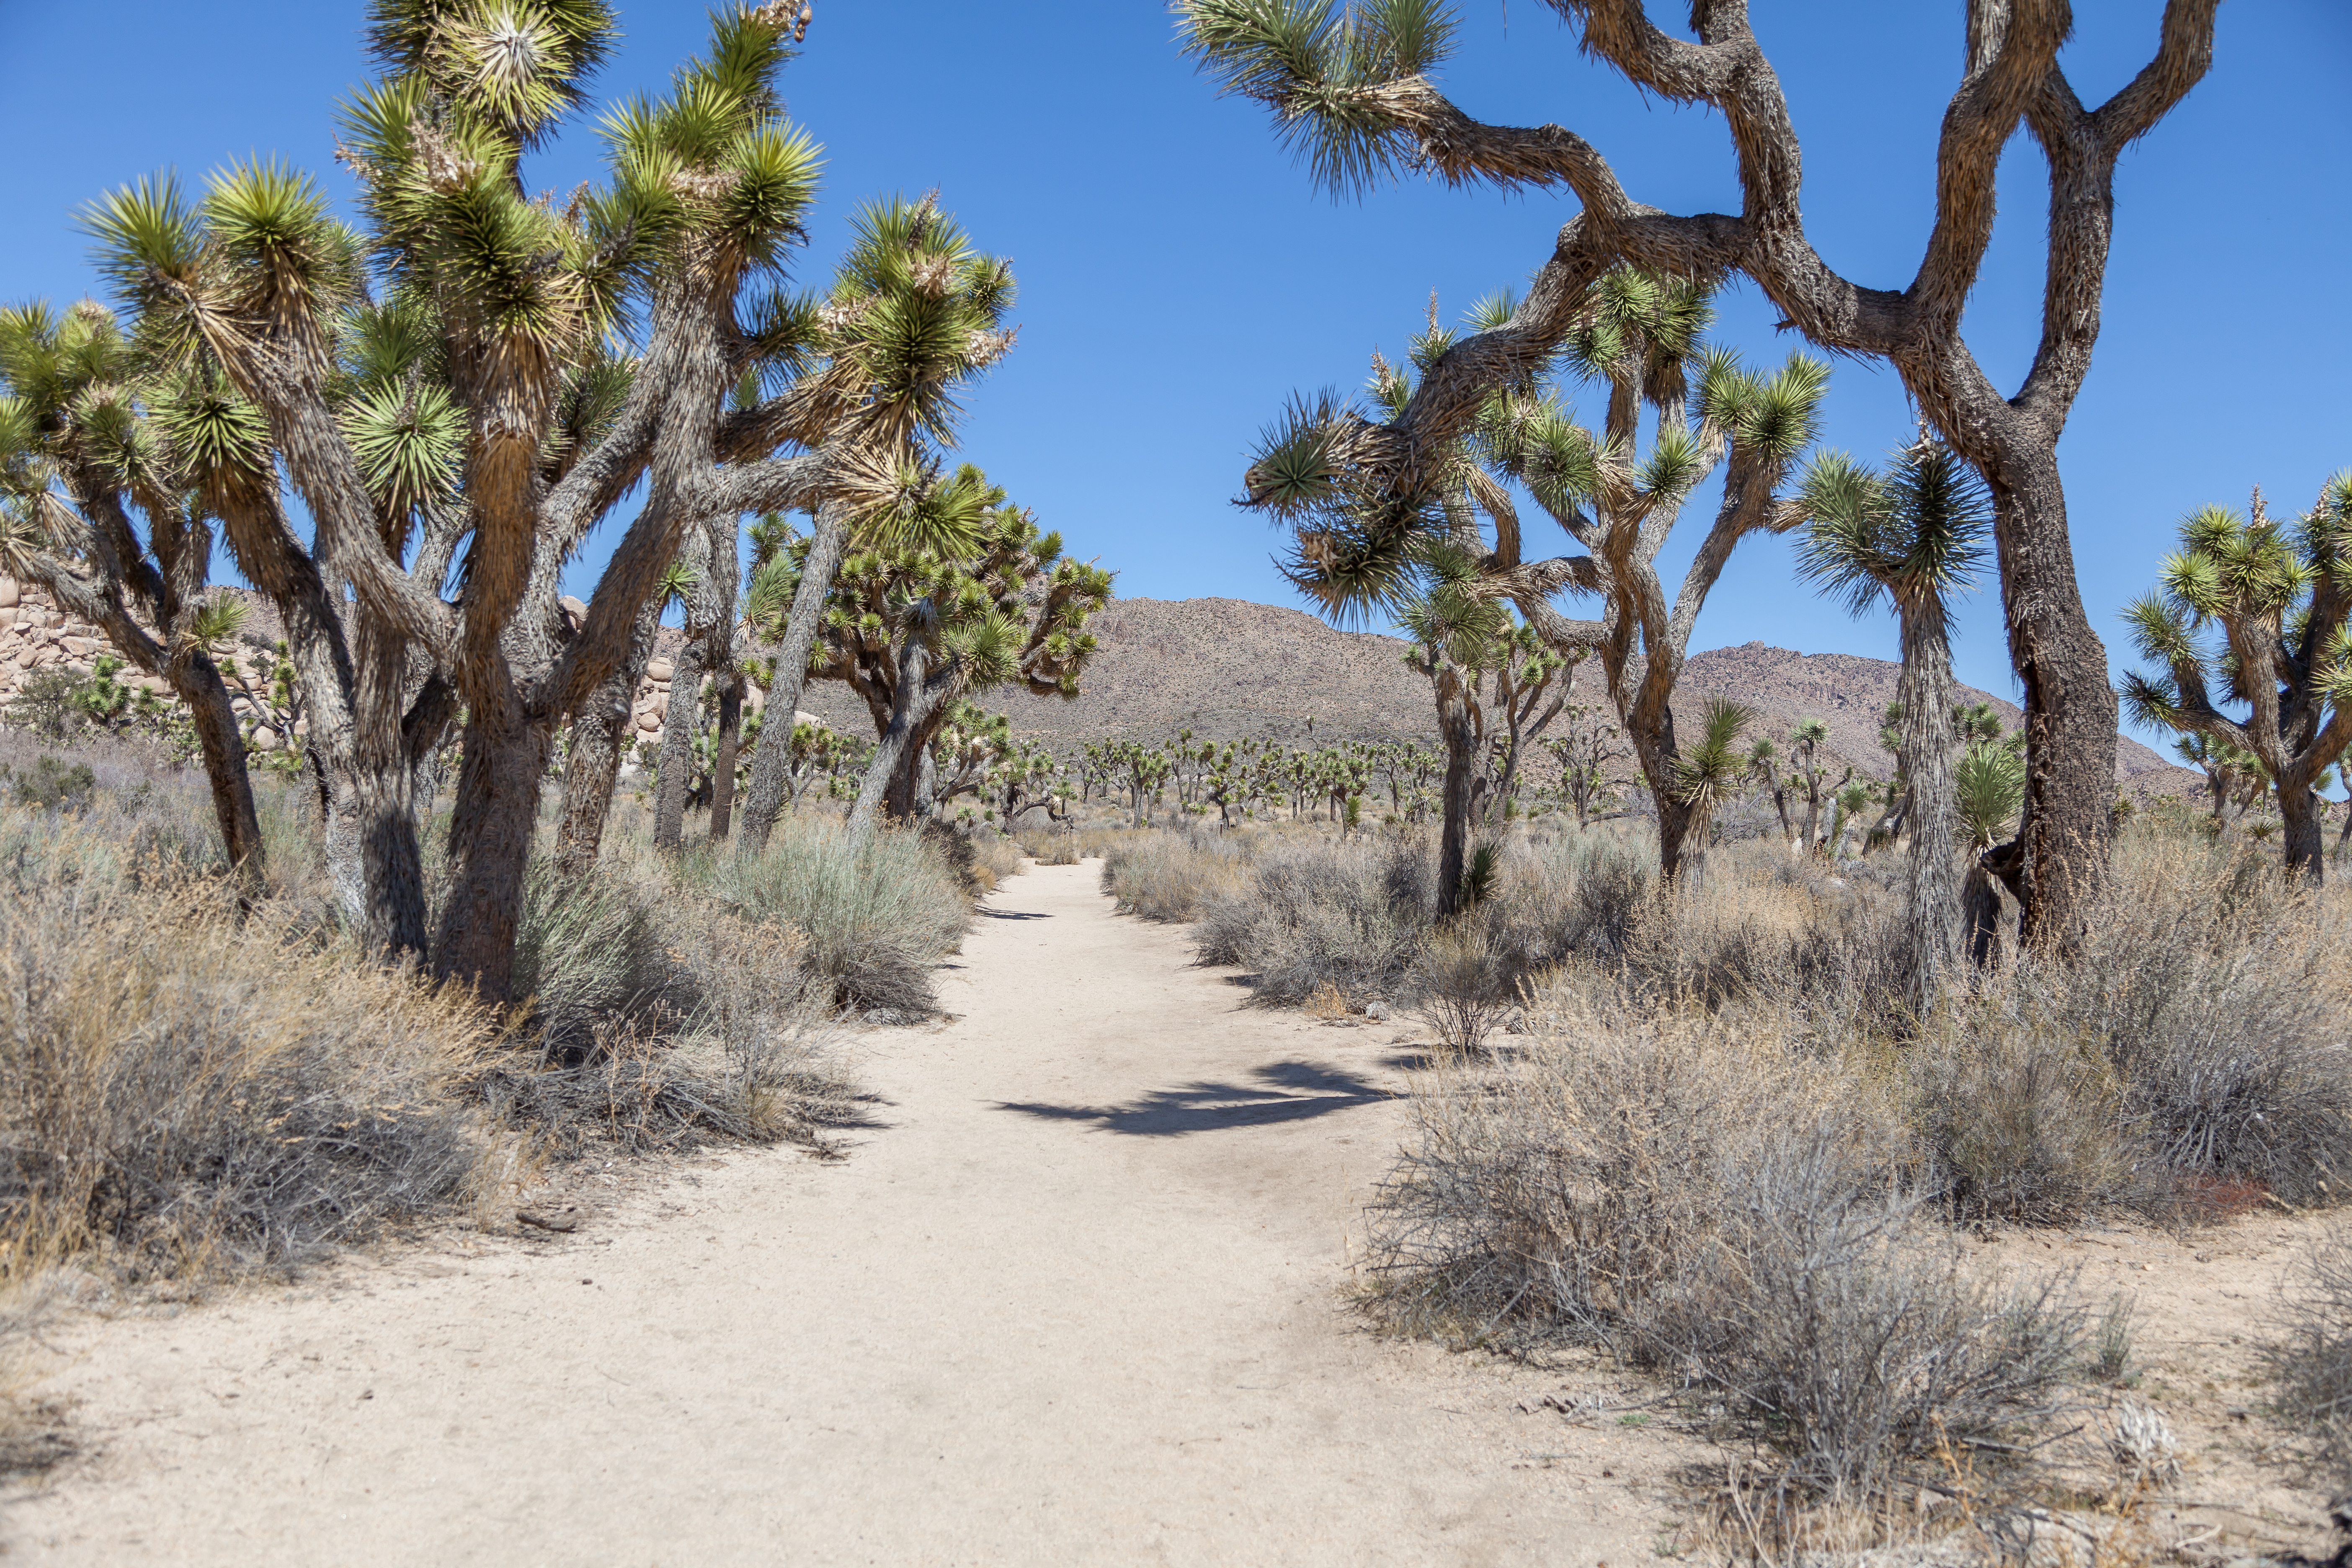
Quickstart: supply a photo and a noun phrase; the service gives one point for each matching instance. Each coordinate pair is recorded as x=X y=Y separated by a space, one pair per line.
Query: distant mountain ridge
x=1229 y=668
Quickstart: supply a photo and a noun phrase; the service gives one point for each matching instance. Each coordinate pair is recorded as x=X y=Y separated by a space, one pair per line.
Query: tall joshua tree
x=959 y=592
x=79 y=456
x=916 y=313
x=1354 y=89
x=1911 y=536
x=1454 y=627
x=1639 y=337
x=2281 y=597
x=439 y=391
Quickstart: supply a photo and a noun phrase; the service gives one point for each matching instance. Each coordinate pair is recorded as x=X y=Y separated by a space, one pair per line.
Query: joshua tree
x=1525 y=669
x=1706 y=773
x=915 y=314
x=2281 y=598
x=1584 y=753
x=440 y=391
x=1987 y=786
x=960 y=592
x=1453 y=628
x=1911 y=536
x=1360 y=543
x=1354 y=89
x=78 y=453
x=2234 y=777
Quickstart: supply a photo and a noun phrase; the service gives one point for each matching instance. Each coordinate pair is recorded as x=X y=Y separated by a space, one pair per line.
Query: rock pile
x=36 y=634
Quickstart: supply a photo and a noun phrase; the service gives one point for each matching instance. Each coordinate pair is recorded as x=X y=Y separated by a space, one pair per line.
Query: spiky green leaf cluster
x=1323 y=67
x=1916 y=531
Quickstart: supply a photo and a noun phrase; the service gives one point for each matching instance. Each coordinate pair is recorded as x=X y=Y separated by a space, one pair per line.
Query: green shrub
x=879 y=919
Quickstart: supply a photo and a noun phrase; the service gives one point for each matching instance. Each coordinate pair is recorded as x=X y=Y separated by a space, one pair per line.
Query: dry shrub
x=1169 y=874
x=183 y=1092
x=1663 y=1185
x=1051 y=844
x=1463 y=991
x=2025 y=1125
x=741 y=1045
x=879 y=919
x=2310 y=1353
x=996 y=857
x=2193 y=1046
x=1310 y=914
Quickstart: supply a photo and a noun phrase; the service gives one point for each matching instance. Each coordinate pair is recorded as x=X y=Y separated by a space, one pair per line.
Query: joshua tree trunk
x=1980 y=913
x=920 y=694
x=600 y=731
x=1452 y=845
x=772 y=760
x=197 y=683
x=678 y=727
x=1925 y=691
x=489 y=845
x=723 y=777
x=2060 y=863
x=2307 y=844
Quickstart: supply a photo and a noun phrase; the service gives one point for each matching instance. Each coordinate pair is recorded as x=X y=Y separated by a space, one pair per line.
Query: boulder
x=265 y=738
x=659 y=671
x=10 y=594
x=80 y=648
x=648 y=721
x=574 y=611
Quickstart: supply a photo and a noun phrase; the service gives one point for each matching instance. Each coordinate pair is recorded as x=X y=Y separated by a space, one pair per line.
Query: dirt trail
x=1076 y=1296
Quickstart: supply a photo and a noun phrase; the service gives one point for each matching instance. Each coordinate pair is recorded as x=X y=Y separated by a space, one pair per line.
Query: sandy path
x=1076 y=1297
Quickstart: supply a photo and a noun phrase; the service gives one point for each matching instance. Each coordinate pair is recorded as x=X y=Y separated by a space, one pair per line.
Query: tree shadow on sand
x=1283 y=1092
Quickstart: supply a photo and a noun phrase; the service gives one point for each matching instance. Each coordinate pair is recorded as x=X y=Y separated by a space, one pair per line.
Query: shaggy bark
x=600 y=731
x=722 y=766
x=772 y=758
x=1454 y=722
x=1932 y=873
x=679 y=722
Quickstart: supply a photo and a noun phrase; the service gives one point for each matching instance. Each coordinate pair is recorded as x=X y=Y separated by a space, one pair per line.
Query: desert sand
x=1078 y=1294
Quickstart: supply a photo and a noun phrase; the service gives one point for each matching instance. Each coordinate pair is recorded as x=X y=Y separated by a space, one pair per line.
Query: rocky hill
x=1226 y=667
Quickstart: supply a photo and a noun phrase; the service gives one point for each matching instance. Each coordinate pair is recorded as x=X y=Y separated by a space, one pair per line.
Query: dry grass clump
x=1171 y=875
x=1306 y=914
x=996 y=857
x=1696 y=1202
x=2196 y=1042
x=1051 y=844
x=655 y=1017
x=182 y=1091
x=2310 y=1356
x=879 y=919
x=1463 y=989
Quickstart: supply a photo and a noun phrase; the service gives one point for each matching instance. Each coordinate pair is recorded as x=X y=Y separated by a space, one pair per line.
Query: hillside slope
x=1226 y=667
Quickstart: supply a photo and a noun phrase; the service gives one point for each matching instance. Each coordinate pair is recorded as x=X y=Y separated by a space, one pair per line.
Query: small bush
x=1464 y=991
x=2025 y=1125
x=1665 y=1187
x=1169 y=876
x=52 y=785
x=50 y=703
x=996 y=857
x=184 y=1091
x=877 y=921
x=1351 y=915
x=586 y=953
x=2310 y=1356
x=1051 y=845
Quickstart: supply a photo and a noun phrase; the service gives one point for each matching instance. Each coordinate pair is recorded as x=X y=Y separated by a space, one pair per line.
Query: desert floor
x=1078 y=1293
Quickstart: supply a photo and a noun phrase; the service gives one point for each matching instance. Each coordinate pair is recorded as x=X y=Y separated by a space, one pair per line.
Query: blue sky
x=1180 y=277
